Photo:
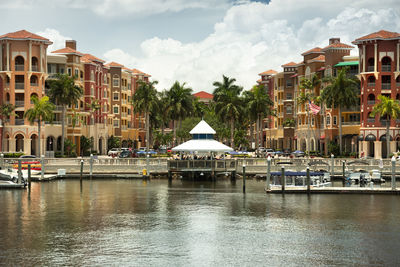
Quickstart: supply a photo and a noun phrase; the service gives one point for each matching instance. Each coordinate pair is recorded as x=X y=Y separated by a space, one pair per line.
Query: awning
x=202 y=145
x=322 y=137
x=294 y=75
x=346 y=63
x=370 y=137
x=321 y=69
x=383 y=138
x=295 y=138
x=360 y=137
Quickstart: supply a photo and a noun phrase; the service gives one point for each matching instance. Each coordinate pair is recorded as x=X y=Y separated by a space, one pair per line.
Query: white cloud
x=54 y=36
x=254 y=37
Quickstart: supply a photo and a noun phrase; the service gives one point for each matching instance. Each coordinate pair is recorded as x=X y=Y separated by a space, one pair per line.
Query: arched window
x=34 y=80
x=370 y=119
x=371 y=64
x=371 y=81
x=35 y=65
x=19 y=63
x=371 y=99
x=386 y=61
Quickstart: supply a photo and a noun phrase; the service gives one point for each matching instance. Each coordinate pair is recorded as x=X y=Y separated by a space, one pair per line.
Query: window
x=312 y=121
x=334 y=120
x=116 y=123
x=299 y=121
x=289 y=96
x=289 y=109
x=116 y=109
x=328 y=120
x=92 y=91
x=69 y=70
x=129 y=111
x=105 y=78
x=92 y=76
x=77 y=73
x=104 y=93
x=116 y=96
x=116 y=81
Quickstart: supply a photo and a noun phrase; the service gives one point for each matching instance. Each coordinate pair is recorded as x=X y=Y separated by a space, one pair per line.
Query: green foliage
x=333 y=148
x=289 y=122
x=7 y=110
x=86 y=145
x=241 y=139
x=13 y=154
x=113 y=142
x=69 y=148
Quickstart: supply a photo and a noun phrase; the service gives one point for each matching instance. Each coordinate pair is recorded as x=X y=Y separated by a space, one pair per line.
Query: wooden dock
x=333 y=190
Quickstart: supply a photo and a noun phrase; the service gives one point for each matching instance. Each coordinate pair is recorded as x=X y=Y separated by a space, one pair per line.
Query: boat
x=11 y=175
x=295 y=178
x=376 y=176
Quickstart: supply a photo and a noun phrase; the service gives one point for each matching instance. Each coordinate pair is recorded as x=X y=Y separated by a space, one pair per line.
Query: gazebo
x=202 y=141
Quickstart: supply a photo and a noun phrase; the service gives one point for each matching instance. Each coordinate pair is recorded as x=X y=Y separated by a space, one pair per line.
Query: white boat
x=12 y=175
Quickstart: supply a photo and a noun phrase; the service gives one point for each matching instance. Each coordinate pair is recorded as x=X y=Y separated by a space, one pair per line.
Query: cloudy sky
x=196 y=41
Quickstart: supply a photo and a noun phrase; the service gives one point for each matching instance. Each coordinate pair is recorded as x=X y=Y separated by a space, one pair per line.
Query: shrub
x=13 y=154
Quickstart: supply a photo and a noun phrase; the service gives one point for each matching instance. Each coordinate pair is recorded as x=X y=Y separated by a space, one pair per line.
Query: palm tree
x=41 y=111
x=389 y=109
x=179 y=104
x=143 y=101
x=64 y=92
x=308 y=87
x=260 y=104
x=340 y=92
x=228 y=103
x=75 y=119
x=6 y=110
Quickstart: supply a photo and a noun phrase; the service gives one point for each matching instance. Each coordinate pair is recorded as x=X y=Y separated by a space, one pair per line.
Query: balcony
x=370 y=68
x=124 y=127
x=34 y=84
x=123 y=114
x=351 y=123
x=19 y=121
x=371 y=84
x=19 y=85
x=35 y=68
x=386 y=68
x=19 y=67
x=371 y=120
x=386 y=86
x=19 y=103
x=371 y=102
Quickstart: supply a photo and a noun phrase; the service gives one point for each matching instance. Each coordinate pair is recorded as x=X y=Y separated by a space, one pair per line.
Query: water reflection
x=156 y=222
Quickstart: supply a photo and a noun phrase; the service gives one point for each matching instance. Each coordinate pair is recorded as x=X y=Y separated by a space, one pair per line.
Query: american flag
x=313 y=108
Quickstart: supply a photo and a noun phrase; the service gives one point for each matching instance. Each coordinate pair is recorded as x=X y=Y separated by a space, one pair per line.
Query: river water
x=133 y=222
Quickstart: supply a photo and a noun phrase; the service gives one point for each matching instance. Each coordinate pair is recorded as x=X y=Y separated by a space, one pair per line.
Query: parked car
x=114 y=152
x=261 y=149
x=298 y=153
x=287 y=152
x=125 y=154
x=269 y=152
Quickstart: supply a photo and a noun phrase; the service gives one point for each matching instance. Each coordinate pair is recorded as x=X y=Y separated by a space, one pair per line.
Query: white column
x=8 y=56
x=30 y=56
x=376 y=57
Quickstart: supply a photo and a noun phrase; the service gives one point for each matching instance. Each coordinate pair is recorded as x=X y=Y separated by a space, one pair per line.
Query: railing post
x=42 y=167
x=393 y=173
x=283 y=179
x=91 y=165
x=269 y=173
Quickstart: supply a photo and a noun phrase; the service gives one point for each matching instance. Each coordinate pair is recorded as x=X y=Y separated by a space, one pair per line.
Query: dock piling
x=42 y=167
x=2 y=160
x=91 y=165
x=29 y=176
x=19 y=171
x=344 y=172
x=393 y=173
x=332 y=165
x=268 y=173
x=244 y=179
x=283 y=179
x=81 y=170
x=308 y=180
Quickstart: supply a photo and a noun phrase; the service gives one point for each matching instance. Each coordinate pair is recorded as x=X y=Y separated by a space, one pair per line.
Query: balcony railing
x=371 y=84
x=371 y=102
x=370 y=68
x=386 y=68
x=124 y=127
x=19 y=85
x=19 y=121
x=34 y=84
x=352 y=108
x=19 y=103
x=351 y=123
x=123 y=114
x=386 y=86
x=371 y=120
x=35 y=68
x=19 y=67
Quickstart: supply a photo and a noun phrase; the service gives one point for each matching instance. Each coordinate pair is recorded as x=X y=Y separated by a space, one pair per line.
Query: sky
x=196 y=41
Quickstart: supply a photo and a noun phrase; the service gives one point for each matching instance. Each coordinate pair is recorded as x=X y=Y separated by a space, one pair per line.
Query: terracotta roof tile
x=67 y=50
x=114 y=64
x=314 y=50
x=92 y=58
x=23 y=34
x=337 y=46
x=290 y=64
x=382 y=34
x=319 y=58
x=203 y=94
x=268 y=72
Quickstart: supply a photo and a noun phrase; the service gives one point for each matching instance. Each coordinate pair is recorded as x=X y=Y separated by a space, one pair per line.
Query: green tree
x=69 y=148
x=261 y=105
x=64 y=92
x=6 y=110
x=144 y=100
x=86 y=145
x=113 y=142
x=42 y=110
x=179 y=105
x=340 y=92
x=228 y=103
x=289 y=122
x=389 y=109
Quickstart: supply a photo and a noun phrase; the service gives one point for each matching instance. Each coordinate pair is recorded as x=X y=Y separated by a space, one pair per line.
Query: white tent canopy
x=204 y=145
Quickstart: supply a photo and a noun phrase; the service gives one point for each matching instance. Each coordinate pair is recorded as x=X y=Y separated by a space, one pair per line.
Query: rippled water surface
x=132 y=222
